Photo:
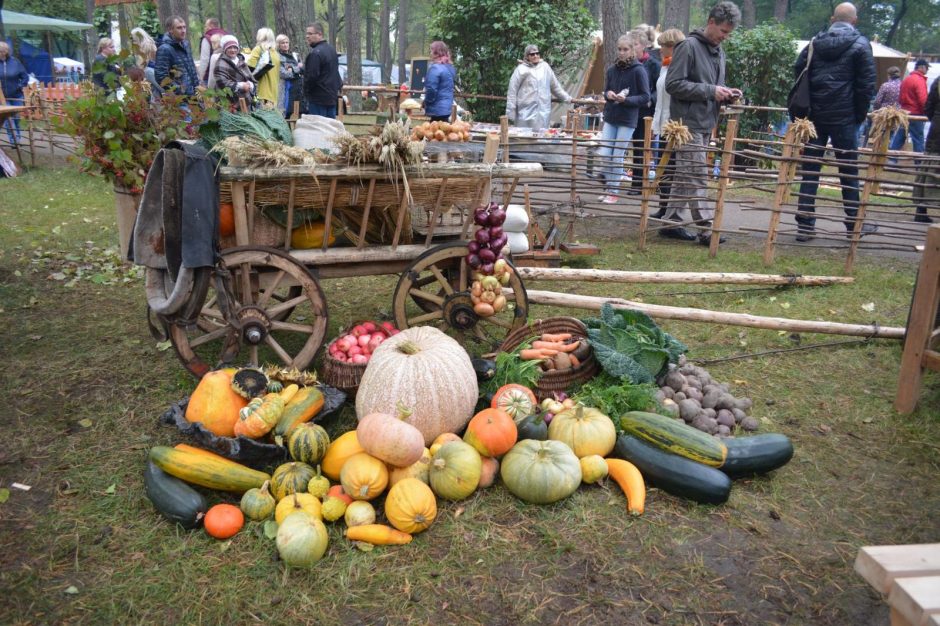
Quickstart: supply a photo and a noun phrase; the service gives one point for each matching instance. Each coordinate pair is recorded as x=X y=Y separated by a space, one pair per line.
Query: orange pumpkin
x=226 y=219
x=215 y=404
x=492 y=432
x=223 y=521
x=489 y=473
x=336 y=491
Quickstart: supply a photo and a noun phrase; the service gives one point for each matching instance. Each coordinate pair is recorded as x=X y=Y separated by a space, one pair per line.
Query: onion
x=474 y=261
x=480 y=216
x=495 y=232
x=496 y=217
x=499 y=243
x=487 y=268
x=473 y=247
x=482 y=236
x=487 y=256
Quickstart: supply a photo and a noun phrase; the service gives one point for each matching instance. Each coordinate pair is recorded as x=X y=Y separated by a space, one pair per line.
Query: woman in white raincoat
x=533 y=83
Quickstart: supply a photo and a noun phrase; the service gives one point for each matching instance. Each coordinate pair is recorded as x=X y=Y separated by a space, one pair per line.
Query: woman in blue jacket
x=626 y=89
x=13 y=78
x=439 y=83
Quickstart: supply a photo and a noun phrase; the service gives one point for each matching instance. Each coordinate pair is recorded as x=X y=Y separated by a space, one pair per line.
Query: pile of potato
x=442 y=131
x=691 y=393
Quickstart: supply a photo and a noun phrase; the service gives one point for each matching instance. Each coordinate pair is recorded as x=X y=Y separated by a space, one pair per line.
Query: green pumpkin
x=291 y=478
x=455 y=470
x=258 y=504
x=308 y=443
x=533 y=427
x=541 y=472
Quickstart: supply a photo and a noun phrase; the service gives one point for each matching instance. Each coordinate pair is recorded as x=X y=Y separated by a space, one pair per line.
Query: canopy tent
x=37 y=61
x=371 y=71
x=885 y=57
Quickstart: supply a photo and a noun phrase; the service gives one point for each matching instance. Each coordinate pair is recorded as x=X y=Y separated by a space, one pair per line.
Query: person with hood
x=232 y=72
x=174 y=69
x=322 y=82
x=841 y=85
x=439 y=84
x=626 y=89
x=531 y=86
x=206 y=49
x=696 y=86
x=13 y=79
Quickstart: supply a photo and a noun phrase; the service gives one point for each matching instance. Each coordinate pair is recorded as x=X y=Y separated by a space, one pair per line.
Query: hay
x=886 y=120
x=676 y=133
x=256 y=152
x=803 y=130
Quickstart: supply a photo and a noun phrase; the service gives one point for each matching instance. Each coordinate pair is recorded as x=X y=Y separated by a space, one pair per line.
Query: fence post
x=575 y=123
x=647 y=185
x=727 y=158
x=784 y=179
x=876 y=164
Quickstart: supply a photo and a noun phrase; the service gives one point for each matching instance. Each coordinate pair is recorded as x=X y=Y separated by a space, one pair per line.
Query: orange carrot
x=551 y=345
x=574 y=361
x=537 y=354
x=556 y=337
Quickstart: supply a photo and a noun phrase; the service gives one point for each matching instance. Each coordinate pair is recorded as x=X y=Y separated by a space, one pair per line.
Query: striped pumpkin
x=308 y=443
x=423 y=369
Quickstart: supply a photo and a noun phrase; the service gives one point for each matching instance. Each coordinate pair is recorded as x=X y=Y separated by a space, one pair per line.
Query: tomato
x=517 y=400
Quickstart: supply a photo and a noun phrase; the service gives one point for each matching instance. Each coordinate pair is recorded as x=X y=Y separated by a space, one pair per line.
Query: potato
x=562 y=361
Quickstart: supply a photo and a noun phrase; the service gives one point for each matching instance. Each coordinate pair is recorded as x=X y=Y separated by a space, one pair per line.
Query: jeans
x=844 y=140
x=13 y=123
x=614 y=143
x=916 y=130
x=323 y=111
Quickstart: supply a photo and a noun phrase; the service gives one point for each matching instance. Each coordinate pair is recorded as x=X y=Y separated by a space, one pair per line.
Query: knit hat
x=921 y=62
x=228 y=40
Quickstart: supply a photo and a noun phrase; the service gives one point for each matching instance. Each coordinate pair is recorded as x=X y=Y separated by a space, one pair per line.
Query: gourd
x=332 y=508
x=378 y=535
x=488 y=472
x=297 y=502
x=301 y=540
x=261 y=414
x=455 y=470
x=410 y=506
x=309 y=235
x=674 y=474
x=215 y=403
x=484 y=368
x=675 y=436
x=441 y=439
x=757 y=454
x=516 y=400
x=492 y=432
x=205 y=471
x=533 y=427
x=358 y=513
x=336 y=491
x=364 y=477
x=223 y=521
x=291 y=478
x=541 y=472
x=426 y=370
x=585 y=430
x=303 y=407
x=631 y=482
x=419 y=469
x=390 y=438
x=343 y=447
x=174 y=499
x=257 y=504
x=319 y=485
x=226 y=219
x=308 y=443
x=593 y=468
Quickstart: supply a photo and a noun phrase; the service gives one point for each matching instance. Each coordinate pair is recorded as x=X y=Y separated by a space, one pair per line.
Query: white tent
x=885 y=57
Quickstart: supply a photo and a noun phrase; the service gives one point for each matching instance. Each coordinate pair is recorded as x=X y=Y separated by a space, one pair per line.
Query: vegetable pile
x=360 y=342
x=557 y=352
x=442 y=131
x=488 y=240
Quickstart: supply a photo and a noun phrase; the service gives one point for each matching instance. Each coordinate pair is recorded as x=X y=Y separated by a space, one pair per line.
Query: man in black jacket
x=842 y=84
x=322 y=82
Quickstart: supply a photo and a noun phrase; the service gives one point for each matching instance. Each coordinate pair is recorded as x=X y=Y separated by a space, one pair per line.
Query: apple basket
x=346 y=356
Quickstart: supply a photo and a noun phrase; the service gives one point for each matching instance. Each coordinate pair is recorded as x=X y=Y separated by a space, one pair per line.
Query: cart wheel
x=435 y=291
x=267 y=287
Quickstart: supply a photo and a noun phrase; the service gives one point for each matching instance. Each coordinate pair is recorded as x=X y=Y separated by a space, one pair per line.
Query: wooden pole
x=715 y=317
x=504 y=136
x=689 y=278
x=876 y=166
x=575 y=121
x=647 y=183
x=784 y=178
x=727 y=158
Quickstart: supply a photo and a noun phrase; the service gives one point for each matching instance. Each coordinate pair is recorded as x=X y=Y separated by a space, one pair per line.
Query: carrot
x=551 y=345
x=536 y=354
x=631 y=481
x=557 y=337
x=570 y=347
x=574 y=361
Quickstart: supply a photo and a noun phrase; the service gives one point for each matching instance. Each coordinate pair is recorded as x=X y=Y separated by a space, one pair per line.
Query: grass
x=86 y=383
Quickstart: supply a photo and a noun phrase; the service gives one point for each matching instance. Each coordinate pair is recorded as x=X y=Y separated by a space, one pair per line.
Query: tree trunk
x=164 y=10
x=332 y=19
x=123 y=28
x=181 y=8
x=88 y=52
x=283 y=23
x=385 y=50
x=898 y=15
x=353 y=53
x=677 y=15
x=613 y=23
x=401 y=39
x=259 y=19
x=651 y=12
x=218 y=12
x=227 y=17
x=748 y=14
x=781 y=8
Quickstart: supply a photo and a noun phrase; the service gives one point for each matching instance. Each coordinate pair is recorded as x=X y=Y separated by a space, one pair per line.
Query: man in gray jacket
x=696 y=84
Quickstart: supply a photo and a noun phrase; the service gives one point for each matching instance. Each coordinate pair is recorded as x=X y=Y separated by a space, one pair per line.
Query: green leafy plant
x=614 y=397
x=510 y=369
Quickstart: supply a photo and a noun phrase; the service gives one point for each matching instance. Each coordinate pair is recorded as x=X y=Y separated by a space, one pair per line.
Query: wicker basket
x=554 y=381
x=344 y=376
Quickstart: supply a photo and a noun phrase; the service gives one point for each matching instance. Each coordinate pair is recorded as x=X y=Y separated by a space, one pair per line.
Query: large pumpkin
x=586 y=431
x=492 y=432
x=215 y=403
x=343 y=447
x=364 y=477
x=541 y=472
x=410 y=506
x=455 y=470
x=425 y=370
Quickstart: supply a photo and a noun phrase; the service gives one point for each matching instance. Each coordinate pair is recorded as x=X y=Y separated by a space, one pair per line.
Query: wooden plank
x=647 y=183
x=915 y=598
x=328 y=220
x=694 y=278
x=367 y=171
x=403 y=208
x=435 y=212
x=881 y=565
x=727 y=157
x=365 y=215
x=240 y=211
x=290 y=213
x=784 y=178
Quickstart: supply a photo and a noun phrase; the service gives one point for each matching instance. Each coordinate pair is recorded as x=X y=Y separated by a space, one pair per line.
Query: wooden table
x=909 y=576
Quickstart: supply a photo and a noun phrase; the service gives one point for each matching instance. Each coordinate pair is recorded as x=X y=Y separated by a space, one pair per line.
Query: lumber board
x=703 y=278
x=366 y=171
x=916 y=598
x=881 y=565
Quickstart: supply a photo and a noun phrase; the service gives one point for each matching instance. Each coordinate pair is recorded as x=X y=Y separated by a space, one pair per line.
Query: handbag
x=798 y=101
x=264 y=65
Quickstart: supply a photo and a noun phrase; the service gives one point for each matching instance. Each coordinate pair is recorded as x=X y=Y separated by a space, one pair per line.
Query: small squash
x=310 y=235
x=455 y=470
x=226 y=219
x=358 y=513
x=302 y=408
x=491 y=432
x=390 y=438
x=541 y=472
x=343 y=447
x=319 y=485
x=215 y=403
x=301 y=540
x=261 y=415
x=223 y=521
x=489 y=472
x=364 y=477
x=419 y=469
x=308 y=443
x=516 y=400
x=378 y=535
x=336 y=491
x=593 y=468
x=631 y=482
x=257 y=504
x=291 y=478
x=410 y=506
x=533 y=427
x=333 y=508
x=173 y=498
x=585 y=430
x=297 y=502
x=441 y=439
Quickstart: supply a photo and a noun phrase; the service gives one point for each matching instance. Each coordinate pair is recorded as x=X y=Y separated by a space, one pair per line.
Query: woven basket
x=553 y=381
x=343 y=376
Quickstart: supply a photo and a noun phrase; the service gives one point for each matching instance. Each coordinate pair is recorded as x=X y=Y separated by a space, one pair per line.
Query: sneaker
x=706 y=239
x=609 y=199
x=923 y=219
x=601 y=197
x=805 y=234
x=867 y=229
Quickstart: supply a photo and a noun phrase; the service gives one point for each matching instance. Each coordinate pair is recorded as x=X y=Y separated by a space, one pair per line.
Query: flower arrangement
x=119 y=138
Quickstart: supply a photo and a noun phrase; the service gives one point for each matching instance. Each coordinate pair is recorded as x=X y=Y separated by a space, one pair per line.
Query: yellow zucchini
x=205 y=471
x=305 y=404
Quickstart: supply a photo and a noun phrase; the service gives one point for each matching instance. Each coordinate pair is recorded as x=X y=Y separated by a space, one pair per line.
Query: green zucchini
x=674 y=474
x=757 y=454
x=675 y=436
x=174 y=499
x=212 y=471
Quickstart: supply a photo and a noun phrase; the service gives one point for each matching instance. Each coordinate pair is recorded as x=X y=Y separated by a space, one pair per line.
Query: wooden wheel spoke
x=253 y=355
x=463 y=283
x=293 y=328
x=286 y=305
x=427 y=317
x=496 y=321
x=210 y=336
x=274 y=345
x=424 y=281
x=478 y=333
x=448 y=289
x=266 y=294
x=430 y=297
x=212 y=313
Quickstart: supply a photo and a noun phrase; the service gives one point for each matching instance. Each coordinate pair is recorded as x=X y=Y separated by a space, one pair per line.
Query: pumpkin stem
x=404 y=412
x=408 y=347
x=264 y=487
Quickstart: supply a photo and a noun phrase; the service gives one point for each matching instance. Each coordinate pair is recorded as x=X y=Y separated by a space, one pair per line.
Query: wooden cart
x=263 y=302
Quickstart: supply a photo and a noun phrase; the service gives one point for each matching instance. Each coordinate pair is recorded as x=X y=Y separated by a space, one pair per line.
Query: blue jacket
x=439 y=89
x=13 y=77
x=175 y=61
x=618 y=78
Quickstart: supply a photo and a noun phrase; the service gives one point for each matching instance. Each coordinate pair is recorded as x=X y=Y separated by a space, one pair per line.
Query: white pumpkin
x=426 y=370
